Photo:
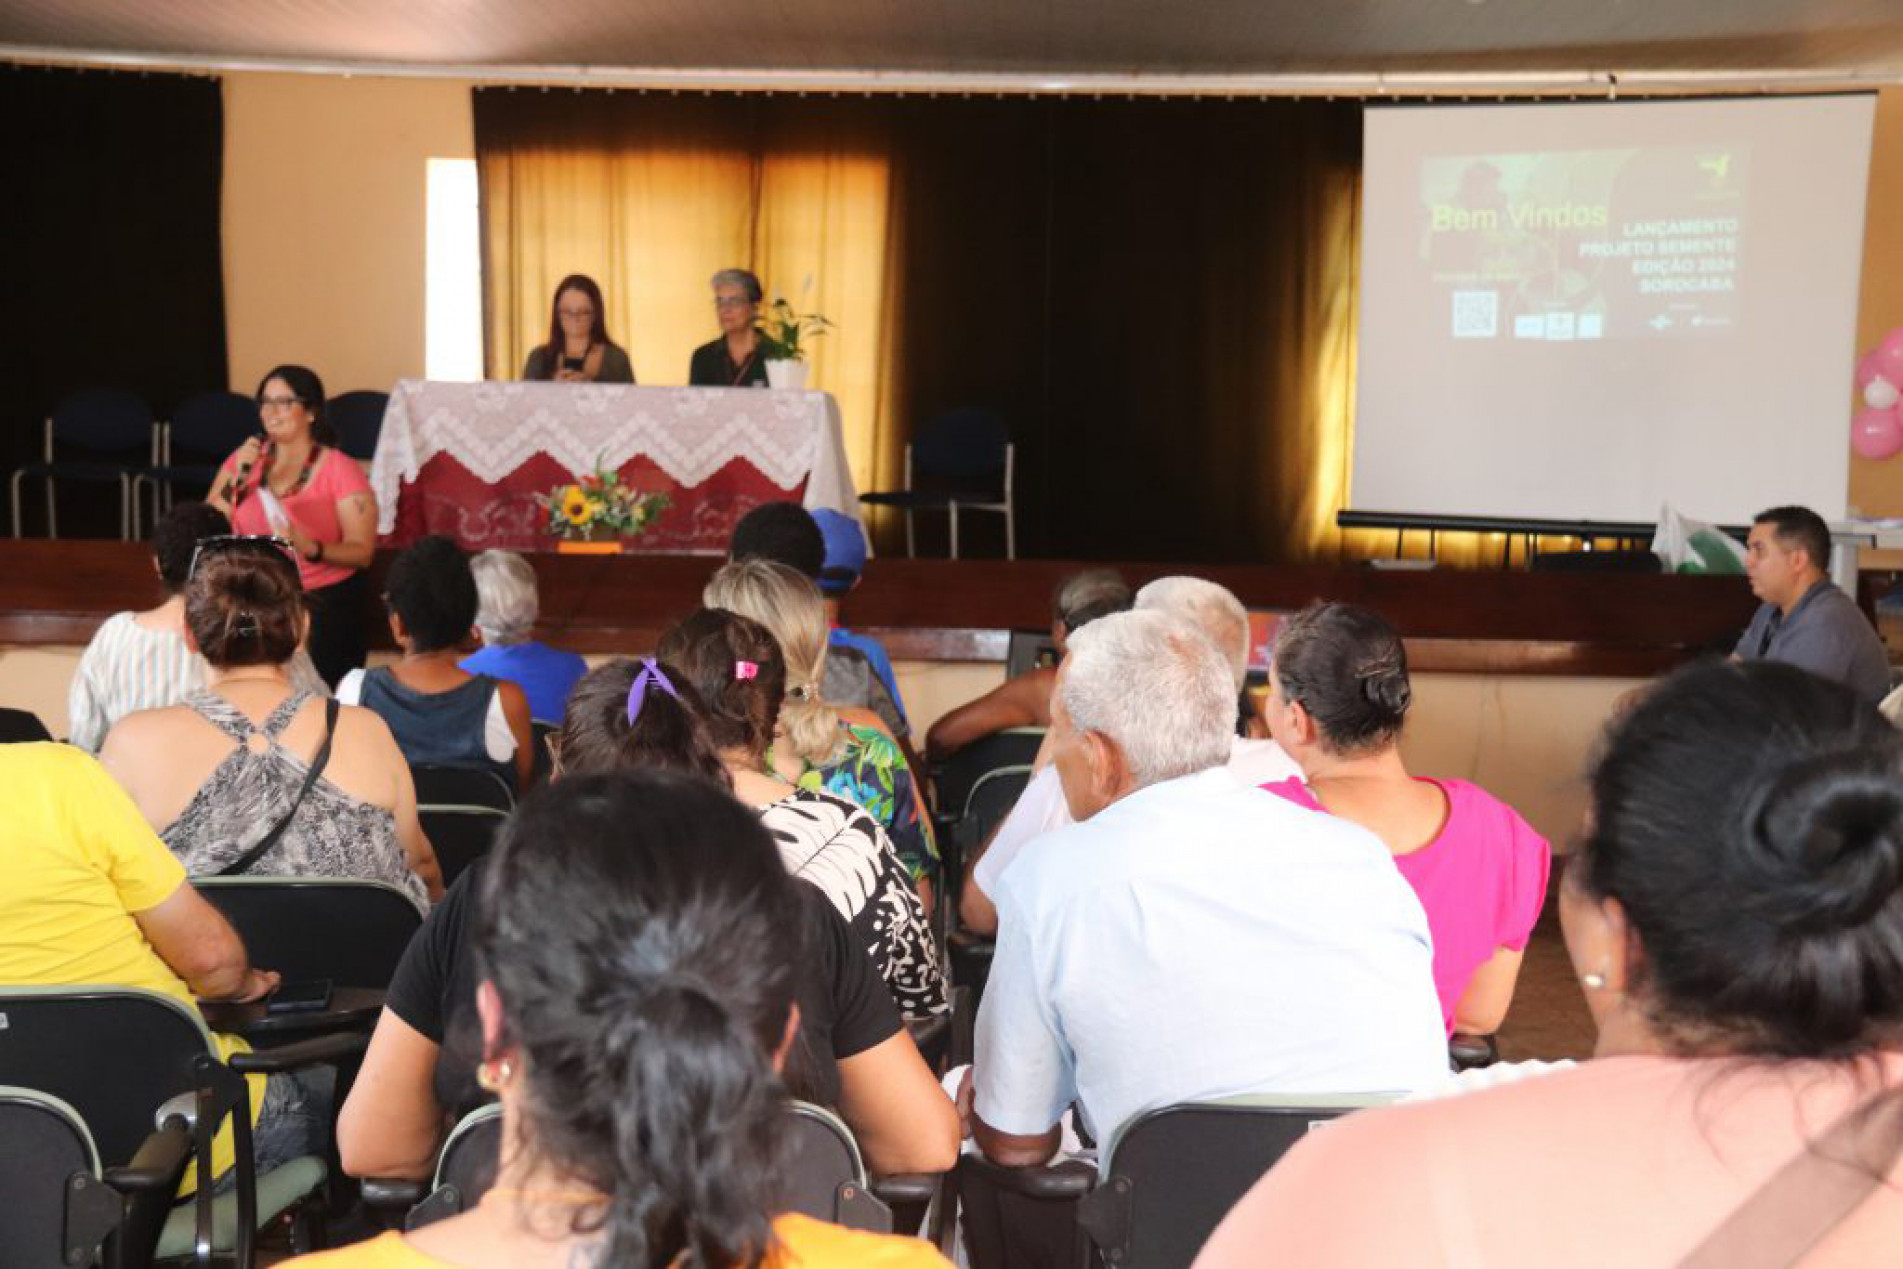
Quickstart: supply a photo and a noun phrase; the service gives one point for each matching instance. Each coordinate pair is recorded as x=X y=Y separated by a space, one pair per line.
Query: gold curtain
x=649 y=196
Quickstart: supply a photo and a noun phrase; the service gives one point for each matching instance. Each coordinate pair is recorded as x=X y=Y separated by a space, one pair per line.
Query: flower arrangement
x=599 y=506
x=782 y=330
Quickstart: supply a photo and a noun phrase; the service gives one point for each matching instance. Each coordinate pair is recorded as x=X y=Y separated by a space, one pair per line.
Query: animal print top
x=332 y=835
x=831 y=843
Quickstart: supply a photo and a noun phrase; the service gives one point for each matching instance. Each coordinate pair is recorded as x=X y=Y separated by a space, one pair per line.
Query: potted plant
x=784 y=335
x=595 y=514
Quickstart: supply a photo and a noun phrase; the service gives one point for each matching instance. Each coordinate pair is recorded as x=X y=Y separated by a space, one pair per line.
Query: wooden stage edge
x=1483 y=622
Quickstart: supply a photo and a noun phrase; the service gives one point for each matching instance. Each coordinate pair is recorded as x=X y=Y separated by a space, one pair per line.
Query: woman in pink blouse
x=1338 y=694
x=293 y=482
x=1735 y=917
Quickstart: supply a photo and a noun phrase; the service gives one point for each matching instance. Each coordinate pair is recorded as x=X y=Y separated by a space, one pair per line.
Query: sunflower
x=577 y=507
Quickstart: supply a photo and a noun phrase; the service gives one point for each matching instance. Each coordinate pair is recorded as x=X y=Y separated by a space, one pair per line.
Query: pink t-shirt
x=313 y=509
x=1482 y=881
x=1619 y=1161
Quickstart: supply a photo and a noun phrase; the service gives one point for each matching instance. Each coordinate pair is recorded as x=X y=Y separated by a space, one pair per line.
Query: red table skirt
x=447 y=498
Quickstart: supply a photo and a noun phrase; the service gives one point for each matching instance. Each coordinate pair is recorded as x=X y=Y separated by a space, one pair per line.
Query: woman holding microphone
x=295 y=484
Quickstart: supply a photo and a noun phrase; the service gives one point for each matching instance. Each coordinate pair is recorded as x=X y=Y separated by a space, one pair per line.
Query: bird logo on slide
x=1719 y=166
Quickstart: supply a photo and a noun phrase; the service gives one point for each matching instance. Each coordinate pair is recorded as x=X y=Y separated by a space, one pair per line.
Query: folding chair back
x=465 y=1168
x=958 y=775
x=357 y=418
x=19 y=726
x=1174 y=1173
x=350 y=931
x=462 y=810
x=56 y=1210
x=825 y=1176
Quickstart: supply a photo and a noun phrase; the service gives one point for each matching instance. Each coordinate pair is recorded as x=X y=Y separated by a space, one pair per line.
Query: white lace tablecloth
x=690 y=433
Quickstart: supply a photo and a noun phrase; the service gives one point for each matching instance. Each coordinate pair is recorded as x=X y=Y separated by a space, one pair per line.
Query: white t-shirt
x=1041 y=808
x=1199 y=939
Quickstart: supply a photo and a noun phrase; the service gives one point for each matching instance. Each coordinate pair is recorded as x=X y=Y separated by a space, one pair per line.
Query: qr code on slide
x=1476 y=314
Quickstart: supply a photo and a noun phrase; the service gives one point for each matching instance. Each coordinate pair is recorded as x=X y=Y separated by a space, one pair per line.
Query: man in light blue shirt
x=1190 y=937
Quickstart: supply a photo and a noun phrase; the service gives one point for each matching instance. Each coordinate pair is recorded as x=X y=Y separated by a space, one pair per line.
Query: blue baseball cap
x=845 y=551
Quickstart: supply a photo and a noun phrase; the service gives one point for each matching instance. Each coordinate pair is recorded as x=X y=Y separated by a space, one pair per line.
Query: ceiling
x=1146 y=40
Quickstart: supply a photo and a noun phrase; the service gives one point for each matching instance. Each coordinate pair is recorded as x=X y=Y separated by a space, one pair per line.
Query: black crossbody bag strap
x=242 y=863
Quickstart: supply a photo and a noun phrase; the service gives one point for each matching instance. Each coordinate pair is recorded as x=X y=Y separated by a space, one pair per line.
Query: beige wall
x=1876 y=488
x=324 y=202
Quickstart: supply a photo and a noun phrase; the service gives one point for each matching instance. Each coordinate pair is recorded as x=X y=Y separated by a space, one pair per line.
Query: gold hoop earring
x=1592 y=982
x=493 y=1075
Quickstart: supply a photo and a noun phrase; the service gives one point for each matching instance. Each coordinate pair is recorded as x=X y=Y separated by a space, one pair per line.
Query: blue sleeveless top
x=440 y=729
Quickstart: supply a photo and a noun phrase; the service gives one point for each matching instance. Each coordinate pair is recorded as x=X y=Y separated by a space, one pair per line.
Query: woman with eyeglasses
x=738 y=358
x=578 y=348
x=231 y=768
x=295 y=483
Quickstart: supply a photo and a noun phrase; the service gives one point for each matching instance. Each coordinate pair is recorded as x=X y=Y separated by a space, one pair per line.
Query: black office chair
x=57 y=1211
x=462 y=809
x=1172 y=1175
x=357 y=418
x=114 y=429
x=202 y=432
x=962 y=460
x=19 y=726
x=126 y=1059
x=349 y=931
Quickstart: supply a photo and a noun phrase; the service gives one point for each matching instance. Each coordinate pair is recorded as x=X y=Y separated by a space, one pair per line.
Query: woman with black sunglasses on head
x=295 y=483
x=251 y=775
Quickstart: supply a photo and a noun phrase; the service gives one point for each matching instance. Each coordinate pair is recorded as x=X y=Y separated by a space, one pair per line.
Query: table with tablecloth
x=467 y=459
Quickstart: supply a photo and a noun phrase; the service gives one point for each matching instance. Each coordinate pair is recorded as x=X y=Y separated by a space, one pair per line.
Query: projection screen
x=1582 y=311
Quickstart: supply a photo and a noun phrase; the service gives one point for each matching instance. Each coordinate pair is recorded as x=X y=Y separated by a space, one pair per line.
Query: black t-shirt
x=844 y=1005
x=711 y=367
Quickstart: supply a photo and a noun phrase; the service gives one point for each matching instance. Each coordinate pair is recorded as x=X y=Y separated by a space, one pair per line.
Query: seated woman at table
x=738 y=358
x=440 y=714
x=1735 y=918
x=849 y=1051
x=1338 y=694
x=218 y=773
x=295 y=483
x=578 y=348
x=842 y=749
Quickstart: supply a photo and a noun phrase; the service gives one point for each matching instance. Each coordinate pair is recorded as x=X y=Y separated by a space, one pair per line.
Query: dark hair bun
x=245 y=608
x=1836 y=826
x=1348 y=668
x=1387 y=689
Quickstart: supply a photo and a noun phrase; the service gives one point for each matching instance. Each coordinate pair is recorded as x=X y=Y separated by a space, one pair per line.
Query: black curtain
x=110 y=222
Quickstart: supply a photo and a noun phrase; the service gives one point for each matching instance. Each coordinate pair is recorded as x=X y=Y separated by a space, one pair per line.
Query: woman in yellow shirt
x=636 y=1007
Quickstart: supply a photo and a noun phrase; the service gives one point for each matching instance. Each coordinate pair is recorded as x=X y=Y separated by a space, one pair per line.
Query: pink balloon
x=1868 y=368
x=1876 y=434
x=1889 y=356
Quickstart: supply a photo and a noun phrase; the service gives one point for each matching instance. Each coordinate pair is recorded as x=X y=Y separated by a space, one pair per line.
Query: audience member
x=140 y=660
x=736 y=667
x=1805 y=620
x=786 y=533
x=850 y=1050
x=1189 y=938
x=820 y=745
x=1041 y=808
x=1025 y=701
x=636 y=1003
x=1338 y=693
x=296 y=483
x=578 y=348
x=229 y=770
x=839 y=576
x=93 y=898
x=1735 y=918
x=506 y=608
x=440 y=714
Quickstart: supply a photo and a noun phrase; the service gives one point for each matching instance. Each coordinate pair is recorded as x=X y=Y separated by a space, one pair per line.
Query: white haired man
x=1189 y=937
x=1040 y=809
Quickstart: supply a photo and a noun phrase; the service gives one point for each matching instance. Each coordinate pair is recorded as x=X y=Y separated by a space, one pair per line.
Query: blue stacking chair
x=962 y=460
x=202 y=431
x=114 y=429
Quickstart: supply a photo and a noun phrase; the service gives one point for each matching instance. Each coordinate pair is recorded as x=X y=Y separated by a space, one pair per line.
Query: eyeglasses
x=258 y=545
x=576 y=314
x=279 y=403
x=732 y=301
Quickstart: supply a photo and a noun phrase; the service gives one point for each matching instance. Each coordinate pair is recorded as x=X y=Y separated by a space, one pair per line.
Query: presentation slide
x=1584 y=310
